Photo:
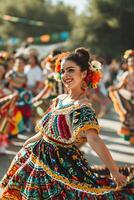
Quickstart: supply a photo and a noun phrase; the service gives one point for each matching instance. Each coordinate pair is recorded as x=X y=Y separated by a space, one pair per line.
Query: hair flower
x=128 y=53
x=57 y=68
x=95 y=65
x=94 y=74
x=58 y=65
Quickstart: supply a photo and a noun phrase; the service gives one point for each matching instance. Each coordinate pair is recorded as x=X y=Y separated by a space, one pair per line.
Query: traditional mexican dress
x=123 y=100
x=54 y=168
x=10 y=120
x=18 y=81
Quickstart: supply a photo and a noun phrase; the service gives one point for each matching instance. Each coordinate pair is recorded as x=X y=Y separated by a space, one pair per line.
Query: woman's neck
x=76 y=93
x=131 y=70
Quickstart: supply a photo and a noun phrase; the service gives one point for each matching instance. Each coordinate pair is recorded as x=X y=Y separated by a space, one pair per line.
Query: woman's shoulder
x=124 y=76
x=85 y=102
x=83 y=106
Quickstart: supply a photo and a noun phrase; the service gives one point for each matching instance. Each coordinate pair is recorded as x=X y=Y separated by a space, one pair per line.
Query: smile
x=68 y=81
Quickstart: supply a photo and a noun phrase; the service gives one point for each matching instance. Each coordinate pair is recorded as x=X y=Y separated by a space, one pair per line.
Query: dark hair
x=20 y=57
x=35 y=57
x=81 y=57
x=55 y=52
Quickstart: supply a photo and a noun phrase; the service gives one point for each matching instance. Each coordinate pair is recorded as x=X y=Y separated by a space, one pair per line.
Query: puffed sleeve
x=83 y=119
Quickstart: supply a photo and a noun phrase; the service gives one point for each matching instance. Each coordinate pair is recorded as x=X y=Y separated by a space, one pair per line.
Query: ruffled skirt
x=44 y=171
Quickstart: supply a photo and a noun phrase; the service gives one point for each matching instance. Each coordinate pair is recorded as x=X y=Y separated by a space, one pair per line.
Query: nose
x=65 y=74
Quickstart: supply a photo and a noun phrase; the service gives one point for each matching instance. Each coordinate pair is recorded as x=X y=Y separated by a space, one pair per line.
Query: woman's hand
x=119 y=178
x=100 y=148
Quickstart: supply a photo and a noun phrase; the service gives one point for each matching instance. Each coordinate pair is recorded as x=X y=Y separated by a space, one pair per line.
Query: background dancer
x=122 y=96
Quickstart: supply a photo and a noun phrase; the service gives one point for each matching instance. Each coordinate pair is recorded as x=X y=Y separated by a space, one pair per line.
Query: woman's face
x=32 y=61
x=131 y=61
x=19 y=64
x=71 y=74
x=10 y=64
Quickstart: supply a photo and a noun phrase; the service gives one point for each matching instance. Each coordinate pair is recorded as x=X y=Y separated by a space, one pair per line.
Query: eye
x=71 y=70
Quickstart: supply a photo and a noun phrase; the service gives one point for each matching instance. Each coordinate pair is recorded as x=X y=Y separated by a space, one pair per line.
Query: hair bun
x=83 y=52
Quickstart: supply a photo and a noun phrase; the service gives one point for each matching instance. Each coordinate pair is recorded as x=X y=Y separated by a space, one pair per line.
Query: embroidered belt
x=52 y=140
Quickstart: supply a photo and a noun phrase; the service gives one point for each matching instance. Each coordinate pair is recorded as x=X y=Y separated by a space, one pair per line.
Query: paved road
x=122 y=151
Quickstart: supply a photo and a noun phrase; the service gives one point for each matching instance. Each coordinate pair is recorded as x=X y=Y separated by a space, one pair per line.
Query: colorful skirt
x=45 y=170
x=125 y=108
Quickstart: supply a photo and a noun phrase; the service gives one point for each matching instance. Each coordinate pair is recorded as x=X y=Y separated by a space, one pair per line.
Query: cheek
x=78 y=75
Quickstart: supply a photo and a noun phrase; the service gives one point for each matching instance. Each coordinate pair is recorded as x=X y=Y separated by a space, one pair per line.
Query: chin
x=72 y=87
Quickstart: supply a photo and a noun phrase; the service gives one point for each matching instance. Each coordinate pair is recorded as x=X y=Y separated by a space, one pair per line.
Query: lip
x=67 y=81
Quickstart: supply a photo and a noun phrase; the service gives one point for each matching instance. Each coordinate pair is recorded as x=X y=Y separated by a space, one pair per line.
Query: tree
x=55 y=18
x=107 y=27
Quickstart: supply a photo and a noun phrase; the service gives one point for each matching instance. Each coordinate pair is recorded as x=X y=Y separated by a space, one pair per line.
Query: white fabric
x=48 y=72
x=33 y=75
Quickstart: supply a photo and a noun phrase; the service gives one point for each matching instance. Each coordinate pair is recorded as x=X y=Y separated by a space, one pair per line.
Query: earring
x=83 y=85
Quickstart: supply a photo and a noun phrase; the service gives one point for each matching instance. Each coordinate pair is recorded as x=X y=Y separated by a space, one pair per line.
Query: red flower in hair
x=58 y=64
x=96 y=77
x=93 y=78
x=57 y=68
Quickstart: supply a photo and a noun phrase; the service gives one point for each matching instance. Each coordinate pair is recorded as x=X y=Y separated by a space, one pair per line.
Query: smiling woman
x=50 y=165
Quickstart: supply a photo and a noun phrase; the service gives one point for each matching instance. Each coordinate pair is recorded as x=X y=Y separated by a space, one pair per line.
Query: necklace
x=75 y=98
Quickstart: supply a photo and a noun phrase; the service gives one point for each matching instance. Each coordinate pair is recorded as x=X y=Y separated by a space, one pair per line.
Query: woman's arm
x=40 y=95
x=35 y=138
x=121 y=84
x=100 y=148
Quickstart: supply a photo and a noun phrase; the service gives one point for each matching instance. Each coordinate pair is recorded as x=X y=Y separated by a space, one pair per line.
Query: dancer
x=7 y=120
x=51 y=89
x=50 y=165
x=122 y=96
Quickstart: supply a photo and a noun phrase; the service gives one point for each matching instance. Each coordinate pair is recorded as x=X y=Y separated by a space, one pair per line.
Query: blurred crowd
x=27 y=86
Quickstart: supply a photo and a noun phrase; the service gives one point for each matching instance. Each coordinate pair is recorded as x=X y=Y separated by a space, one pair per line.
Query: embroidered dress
x=123 y=100
x=11 y=122
x=54 y=168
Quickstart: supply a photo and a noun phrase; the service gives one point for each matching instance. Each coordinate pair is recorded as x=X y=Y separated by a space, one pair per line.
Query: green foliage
x=107 y=27
x=55 y=18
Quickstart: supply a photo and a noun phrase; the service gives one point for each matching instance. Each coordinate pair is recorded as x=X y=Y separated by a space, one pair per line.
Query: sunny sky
x=79 y=4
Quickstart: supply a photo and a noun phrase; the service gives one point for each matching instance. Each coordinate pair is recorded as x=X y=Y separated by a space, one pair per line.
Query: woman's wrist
x=113 y=168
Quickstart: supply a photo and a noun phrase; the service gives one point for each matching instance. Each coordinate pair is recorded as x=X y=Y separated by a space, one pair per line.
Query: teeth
x=68 y=81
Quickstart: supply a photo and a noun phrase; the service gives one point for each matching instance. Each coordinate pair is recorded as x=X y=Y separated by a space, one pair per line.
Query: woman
x=122 y=96
x=51 y=89
x=18 y=82
x=50 y=165
x=7 y=123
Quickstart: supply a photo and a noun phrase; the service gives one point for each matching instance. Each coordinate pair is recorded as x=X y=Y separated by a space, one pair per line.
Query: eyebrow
x=68 y=68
